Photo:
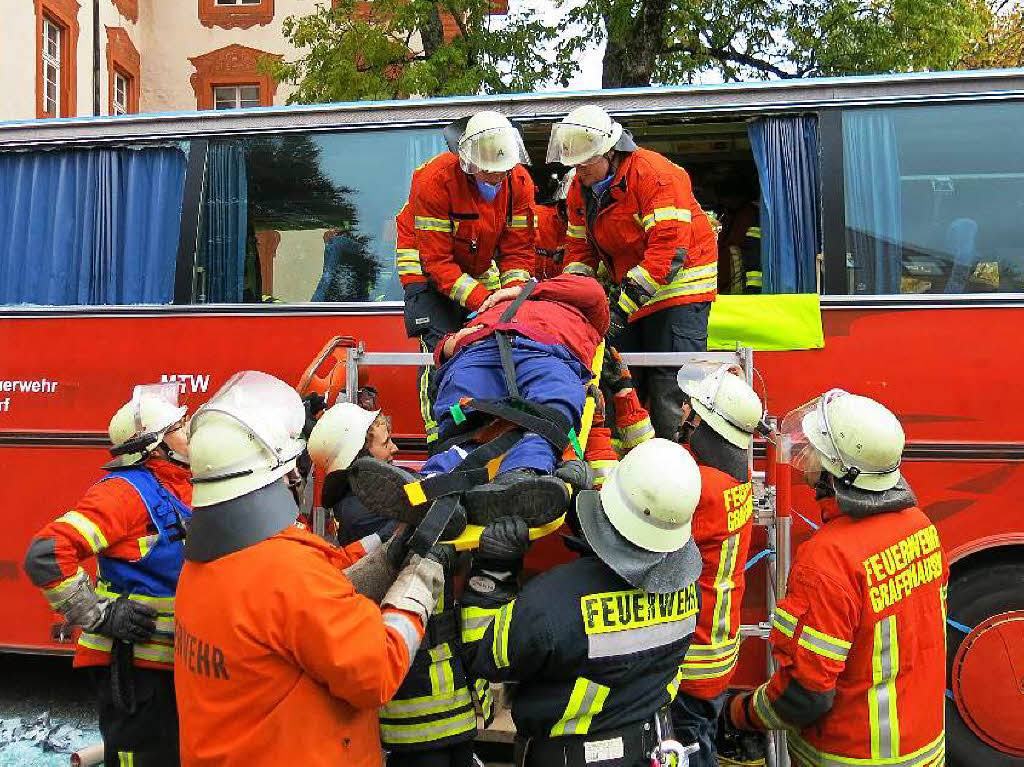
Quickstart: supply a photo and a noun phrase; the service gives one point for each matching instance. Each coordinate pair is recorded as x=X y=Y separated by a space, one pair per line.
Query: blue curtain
x=871 y=167
x=225 y=223
x=94 y=226
x=786 y=153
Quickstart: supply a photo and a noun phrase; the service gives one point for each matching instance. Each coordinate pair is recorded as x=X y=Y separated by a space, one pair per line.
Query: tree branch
x=724 y=54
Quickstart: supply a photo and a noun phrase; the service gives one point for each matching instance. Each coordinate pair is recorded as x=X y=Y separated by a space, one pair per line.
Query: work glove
x=504 y=541
x=615 y=375
x=417 y=587
x=577 y=473
x=636 y=289
x=314 y=405
x=375 y=573
x=446 y=556
x=127 y=620
x=617 y=322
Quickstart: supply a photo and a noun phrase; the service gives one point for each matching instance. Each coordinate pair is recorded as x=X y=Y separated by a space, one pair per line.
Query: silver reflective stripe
x=723 y=588
x=429 y=704
x=823 y=644
x=712 y=652
x=406 y=629
x=628 y=641
x=585 y=702
x=429 y=731
x=806 y=754
x=885 y=663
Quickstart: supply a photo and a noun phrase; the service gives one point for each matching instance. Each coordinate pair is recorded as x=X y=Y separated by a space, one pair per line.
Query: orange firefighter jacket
x=650 y=227
x=550 y=241
x=466 y=247
x=110 y=519
x=721 y=529
x=280 y=661
x=860 y=640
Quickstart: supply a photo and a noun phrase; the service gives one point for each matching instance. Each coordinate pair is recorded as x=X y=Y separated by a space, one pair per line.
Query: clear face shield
x=270 y=410
x=576 y=144
x=701 y=382
x=495 y=150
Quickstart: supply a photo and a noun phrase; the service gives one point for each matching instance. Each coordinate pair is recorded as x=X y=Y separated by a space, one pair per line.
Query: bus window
x=297 y=217
x=90 y=226
x=934 y=199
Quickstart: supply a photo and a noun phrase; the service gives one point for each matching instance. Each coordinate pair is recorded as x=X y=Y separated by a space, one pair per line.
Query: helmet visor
x=575 y=144
x=494 y=150
x=151 y=399
x=267 y=407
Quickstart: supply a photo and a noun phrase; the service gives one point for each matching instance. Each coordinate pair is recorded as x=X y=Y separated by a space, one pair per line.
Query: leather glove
x=577 y=473
x=398 y=546
x=504 y=541
x=374 y=574
x=617 y=321
x=417 y=588
x=127 y=620
x=314 y=405
x=446 y=556
x=615 y=376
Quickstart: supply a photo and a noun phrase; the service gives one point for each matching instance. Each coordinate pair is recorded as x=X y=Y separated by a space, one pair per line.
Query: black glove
x=617 y=321
x=446 y=556
x=314 y=405
x=398 y=549
x=503 y=543
x=615 y=376
x=127 y=620
x=577 y=473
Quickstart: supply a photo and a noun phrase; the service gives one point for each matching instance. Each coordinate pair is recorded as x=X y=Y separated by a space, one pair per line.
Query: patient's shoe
x=537 y=498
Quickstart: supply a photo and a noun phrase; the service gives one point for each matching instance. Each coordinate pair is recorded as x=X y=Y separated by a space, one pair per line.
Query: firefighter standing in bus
x=466 y=231
x=133 y=521
x=860 y=637
x=633 y=211
x=308 y=652
x=718 y=427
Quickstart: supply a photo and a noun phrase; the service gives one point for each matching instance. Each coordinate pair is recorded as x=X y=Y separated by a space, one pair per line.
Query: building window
x=52 y=47
x=56 y=47
x=122 y=87
x=229 y=14
x=123 y=72
x=236 y=96
x=230 y=78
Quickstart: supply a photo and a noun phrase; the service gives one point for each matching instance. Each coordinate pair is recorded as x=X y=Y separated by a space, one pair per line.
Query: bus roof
x=716 y=98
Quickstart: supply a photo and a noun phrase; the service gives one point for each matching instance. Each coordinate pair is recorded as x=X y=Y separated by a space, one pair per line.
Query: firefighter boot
x=380 y=487
x=536 y=498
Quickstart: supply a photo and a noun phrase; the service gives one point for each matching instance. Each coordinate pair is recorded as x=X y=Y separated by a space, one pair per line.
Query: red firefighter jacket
x=652 y=229
x=568 y=310
x=860 y=640
x=112 y=519
x=278 y=657
x=721 y=529
x=550 y=241
x=465 y=246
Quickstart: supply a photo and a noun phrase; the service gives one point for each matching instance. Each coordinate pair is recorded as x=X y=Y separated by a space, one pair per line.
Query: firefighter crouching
x=594 y=644
x=718 y=426
x=860 y=638
x=431 y=720
x=466 y=231
x=133 y=521
x=633 y=211
x=279 y=655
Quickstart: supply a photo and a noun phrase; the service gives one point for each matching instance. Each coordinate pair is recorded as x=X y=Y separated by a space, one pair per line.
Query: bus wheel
x=985 y=668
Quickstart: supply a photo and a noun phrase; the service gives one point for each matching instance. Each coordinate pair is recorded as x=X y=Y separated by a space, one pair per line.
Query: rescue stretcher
x=335 y=374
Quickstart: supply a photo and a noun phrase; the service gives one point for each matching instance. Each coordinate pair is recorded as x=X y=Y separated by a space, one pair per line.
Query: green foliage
x=1000 y=43
x=349 y=54
x=744 y=39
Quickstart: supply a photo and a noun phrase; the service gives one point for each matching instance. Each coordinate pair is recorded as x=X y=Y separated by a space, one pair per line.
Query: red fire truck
x=187 y=247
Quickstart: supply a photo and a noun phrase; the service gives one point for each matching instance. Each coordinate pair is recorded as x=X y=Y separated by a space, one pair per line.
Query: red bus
x=186 y=247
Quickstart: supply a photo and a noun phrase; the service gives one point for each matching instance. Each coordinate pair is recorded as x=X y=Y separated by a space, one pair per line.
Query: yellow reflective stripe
x=882 y=704
x=88 y=529
x=601 y=471
x=57 y=595
x=784 y=622
x=158 y=653
x=428 y=224
x=519 y=222
x=475 y=621
x=627 y=304
x=161 y=604
x=585 y=702
x=125 y=759
x=514 y=275
x=724 y=586
x=499 y=647
x=754 y=231
x=672 y=688
x=692 y=289
x=822 y=644
x=710 y=661
x=929 y=755
x=425 y=705
x=490 y=279
x=636 y=433
x=688 y=282
x=408 y=261
x=146 y=544
x=576 y=232
x=943 y=590
x=642 y=277
x=766 y=712
x=665 y=214
x=578 y=268
x=95 y=641
x=485 y=698
x=442 y=675
x=462 y=288
x=429 y=731
x=755 y=280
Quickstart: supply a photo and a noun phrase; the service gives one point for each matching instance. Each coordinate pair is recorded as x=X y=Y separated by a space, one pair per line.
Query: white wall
x=17 y=60
x=172 y=34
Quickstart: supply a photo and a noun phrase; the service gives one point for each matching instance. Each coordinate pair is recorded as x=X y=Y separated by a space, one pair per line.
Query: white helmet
x=142 y=422
x=585 y=133
x=853 y=438
x=490 y=143
x=246 y=437
x=651 y=495
x=339 y=435
x=562 y=192
x=725 y=402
